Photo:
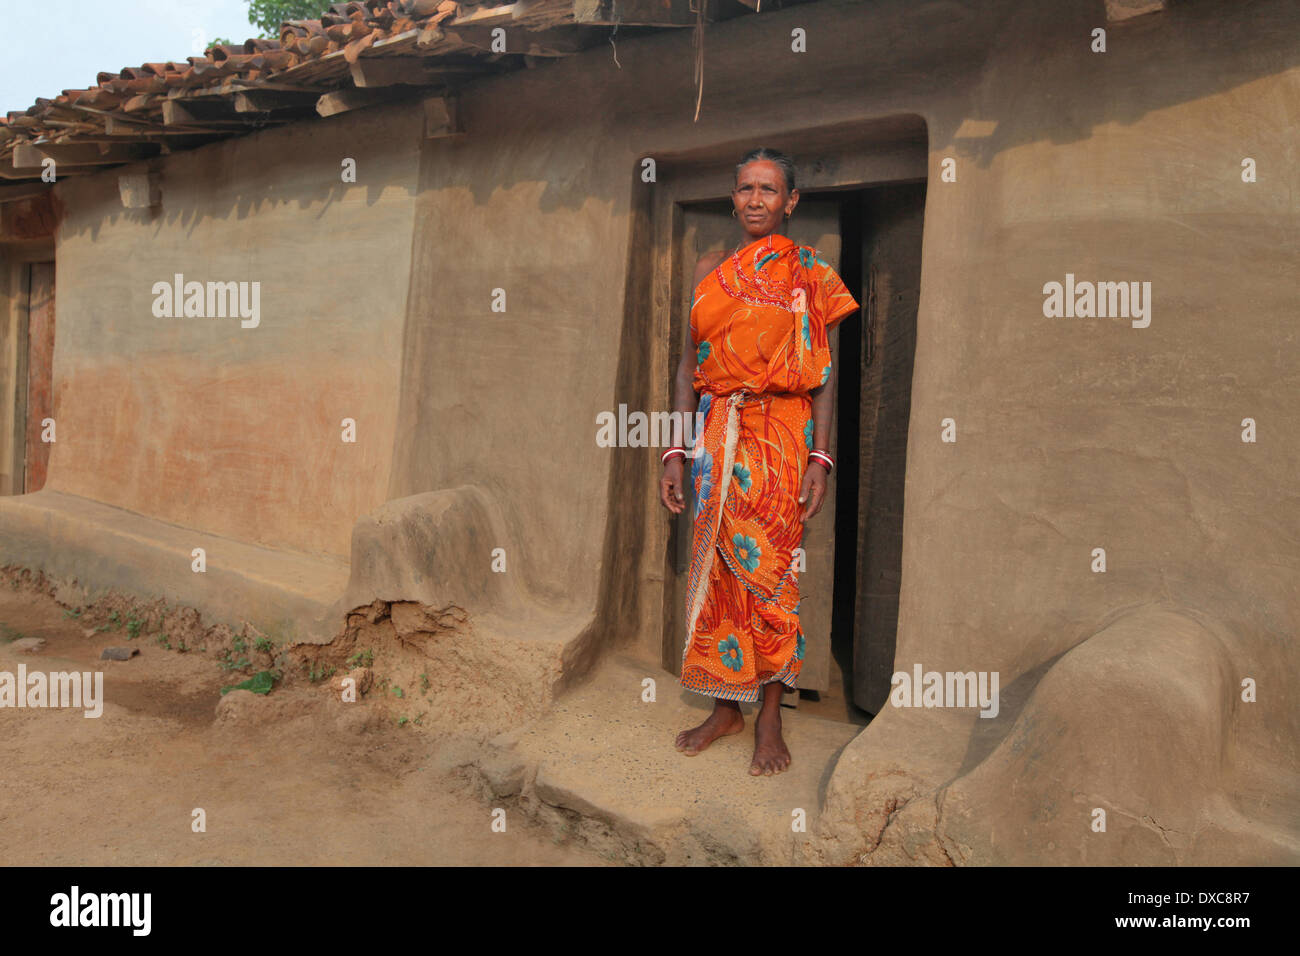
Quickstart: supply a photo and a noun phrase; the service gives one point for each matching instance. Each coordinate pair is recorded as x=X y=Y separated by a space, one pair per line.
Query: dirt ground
x=295 y=777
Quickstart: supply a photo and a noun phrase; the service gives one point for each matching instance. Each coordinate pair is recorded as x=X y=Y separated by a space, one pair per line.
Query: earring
x=733 y=212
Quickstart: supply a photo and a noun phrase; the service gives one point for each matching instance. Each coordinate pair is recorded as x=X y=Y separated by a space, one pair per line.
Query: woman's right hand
x=671 y=487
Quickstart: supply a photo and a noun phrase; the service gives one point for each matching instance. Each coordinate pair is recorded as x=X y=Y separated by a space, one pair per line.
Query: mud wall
x=209 y=424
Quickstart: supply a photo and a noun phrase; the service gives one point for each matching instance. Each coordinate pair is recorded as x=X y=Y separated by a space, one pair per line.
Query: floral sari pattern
x=760 y=322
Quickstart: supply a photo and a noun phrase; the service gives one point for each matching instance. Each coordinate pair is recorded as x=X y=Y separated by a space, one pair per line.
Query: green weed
x=259 y=683
x=228 y=662
x=316 y=676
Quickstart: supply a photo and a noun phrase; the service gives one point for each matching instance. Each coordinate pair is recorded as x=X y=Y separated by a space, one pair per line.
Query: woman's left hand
x=813 y=492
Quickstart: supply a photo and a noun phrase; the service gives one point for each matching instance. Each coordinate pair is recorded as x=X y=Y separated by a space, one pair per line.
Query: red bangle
x=672 y=451
x=822 y=459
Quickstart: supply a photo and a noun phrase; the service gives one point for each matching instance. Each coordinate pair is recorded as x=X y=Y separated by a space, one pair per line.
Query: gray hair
x=783 y=162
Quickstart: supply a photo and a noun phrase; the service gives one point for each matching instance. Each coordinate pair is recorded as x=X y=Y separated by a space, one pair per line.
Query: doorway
x=27 y=404
x=849 y=591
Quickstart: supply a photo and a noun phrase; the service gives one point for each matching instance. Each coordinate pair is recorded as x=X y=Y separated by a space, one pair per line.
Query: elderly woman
x=760 y=363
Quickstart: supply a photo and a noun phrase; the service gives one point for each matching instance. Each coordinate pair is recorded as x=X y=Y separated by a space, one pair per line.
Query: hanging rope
x=699 y=56
x=617 y=20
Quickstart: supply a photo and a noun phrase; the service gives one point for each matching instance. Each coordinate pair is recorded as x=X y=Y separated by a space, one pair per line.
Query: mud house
x=467 y=233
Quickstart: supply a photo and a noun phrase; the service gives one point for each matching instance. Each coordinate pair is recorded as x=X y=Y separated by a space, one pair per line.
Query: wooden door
x=40 y=374
x=892 y=263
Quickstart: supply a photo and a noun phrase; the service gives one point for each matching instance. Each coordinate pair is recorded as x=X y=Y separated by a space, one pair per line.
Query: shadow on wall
x=436 y=548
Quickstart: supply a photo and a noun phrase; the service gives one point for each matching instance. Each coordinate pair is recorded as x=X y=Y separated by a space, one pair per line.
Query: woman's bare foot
x=725 y=720
x=770 y=752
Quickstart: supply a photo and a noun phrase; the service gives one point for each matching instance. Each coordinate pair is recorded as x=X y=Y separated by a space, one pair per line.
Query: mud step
x=601 y=768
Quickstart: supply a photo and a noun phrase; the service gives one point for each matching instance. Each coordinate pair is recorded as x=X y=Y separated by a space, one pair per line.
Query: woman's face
x=761 y=199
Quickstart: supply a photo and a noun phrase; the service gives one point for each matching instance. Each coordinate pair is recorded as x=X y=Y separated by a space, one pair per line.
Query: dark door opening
x=883 y=226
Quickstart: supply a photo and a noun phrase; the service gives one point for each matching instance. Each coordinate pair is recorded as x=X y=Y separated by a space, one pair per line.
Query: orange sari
x=760 y=323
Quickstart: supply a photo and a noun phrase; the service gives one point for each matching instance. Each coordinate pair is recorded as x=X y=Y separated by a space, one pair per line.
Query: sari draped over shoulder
x=760 y=322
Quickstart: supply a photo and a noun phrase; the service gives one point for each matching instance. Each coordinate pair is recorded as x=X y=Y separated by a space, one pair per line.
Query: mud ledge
x=92 y=549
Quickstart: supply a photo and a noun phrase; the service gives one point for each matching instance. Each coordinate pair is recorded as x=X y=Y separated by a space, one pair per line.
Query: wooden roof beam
x=635 y=13
x=264 y=101
x=1117 y=11
x=407 y=70
x=489 y=16
x=34 y=175
x=559 y=41
x=119 y=127
x=28 y=155
x=215 y=114
x=341 y=101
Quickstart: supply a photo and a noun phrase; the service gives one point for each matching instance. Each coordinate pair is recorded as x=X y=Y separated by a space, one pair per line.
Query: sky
x=67 y=42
